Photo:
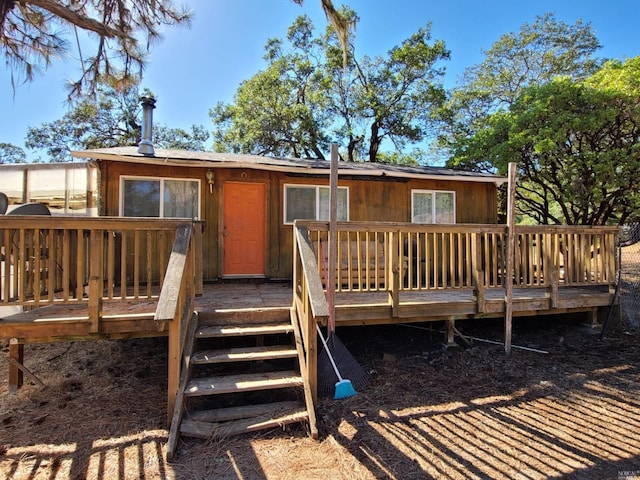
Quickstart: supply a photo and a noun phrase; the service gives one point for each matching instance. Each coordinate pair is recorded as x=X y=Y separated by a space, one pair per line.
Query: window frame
x=434 y=204
x=161 y=180
x=317 y=194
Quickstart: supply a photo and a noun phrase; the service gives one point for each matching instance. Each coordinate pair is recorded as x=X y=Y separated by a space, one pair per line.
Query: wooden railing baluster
x=95 y=280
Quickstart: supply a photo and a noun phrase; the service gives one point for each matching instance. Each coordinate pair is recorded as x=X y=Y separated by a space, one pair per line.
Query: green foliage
x=577 y=145
x=401 y=158
x=111 y=119
x=534 y=56
x=180 y=139
x=10 y=153
x=280 y=110
x=308 y=96
x=35 y=33
x=398 y=95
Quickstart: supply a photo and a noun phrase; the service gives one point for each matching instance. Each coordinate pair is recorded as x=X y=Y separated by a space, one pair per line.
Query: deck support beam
x=16 y=353
x=451 y=331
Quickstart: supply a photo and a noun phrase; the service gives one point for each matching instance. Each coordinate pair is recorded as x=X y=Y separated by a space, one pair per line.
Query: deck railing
x=46 y=260
x=310 y=305
x=176 y=307
x=411 y=257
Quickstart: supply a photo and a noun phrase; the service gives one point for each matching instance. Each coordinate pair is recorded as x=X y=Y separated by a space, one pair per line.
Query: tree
x=398 y=94
x=112 y=119
x=535 y=55
x=342 y=24
x=10 y=153
x=307 y=97
x=280 y=110
x=35 y=32
x=179 y=138
x=577 y=144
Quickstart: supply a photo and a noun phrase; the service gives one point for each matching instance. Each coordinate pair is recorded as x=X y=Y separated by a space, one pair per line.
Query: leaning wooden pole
x=511 y=248
x=333 y=232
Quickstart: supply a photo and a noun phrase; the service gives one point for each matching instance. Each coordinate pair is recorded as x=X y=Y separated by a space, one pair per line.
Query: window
x=309 y=202
x=428 y=206
x=159 y=197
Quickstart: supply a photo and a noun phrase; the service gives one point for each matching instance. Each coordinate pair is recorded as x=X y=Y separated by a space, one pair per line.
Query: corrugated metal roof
x=291 y=165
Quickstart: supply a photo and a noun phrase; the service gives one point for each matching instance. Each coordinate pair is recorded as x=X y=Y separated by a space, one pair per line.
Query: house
x=414 y=244
x=248 y=203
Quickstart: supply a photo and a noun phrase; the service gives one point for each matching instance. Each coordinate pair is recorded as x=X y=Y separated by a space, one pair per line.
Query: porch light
x=210 y=180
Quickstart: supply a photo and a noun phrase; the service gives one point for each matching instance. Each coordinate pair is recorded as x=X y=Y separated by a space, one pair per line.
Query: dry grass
x=428 y=413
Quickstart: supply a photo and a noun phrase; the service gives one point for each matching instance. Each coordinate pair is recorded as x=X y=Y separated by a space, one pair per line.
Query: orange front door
x=244 y=228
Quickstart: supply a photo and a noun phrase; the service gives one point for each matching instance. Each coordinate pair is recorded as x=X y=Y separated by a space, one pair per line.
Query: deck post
x=394 y=271
x=312 y=353
x=16 y=352
x=553 y=285
x=196 y=253
x=451 y=331
x=95 y=280
x=480 y=293
x=173 y=374
x=511 y=248
x=478 y=273
x=592 y=317
x=333 y=236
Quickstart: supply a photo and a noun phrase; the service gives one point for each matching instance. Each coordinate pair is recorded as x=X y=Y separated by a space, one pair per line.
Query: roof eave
x=159 y=160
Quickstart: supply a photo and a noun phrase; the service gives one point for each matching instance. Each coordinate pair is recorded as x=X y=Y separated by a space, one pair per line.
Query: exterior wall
x=372 y=199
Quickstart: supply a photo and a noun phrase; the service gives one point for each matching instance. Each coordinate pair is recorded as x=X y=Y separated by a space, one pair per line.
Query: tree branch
x=82 y=21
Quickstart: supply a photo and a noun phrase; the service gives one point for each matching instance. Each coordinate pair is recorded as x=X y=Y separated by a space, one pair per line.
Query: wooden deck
x=134 y=318
x=100 y=278
x=112 y=278
x=423 y=306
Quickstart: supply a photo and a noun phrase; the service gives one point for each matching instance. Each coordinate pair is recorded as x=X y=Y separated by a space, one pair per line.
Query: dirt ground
x=428 y=412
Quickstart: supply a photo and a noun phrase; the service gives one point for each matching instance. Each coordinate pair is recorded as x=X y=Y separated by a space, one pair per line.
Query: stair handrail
x=176 y=306
x=309 y=301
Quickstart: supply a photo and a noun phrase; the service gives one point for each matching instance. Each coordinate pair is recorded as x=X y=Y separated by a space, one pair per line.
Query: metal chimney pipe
x=145 y=147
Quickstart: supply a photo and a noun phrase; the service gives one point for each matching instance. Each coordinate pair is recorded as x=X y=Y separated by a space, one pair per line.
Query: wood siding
x=370 y=199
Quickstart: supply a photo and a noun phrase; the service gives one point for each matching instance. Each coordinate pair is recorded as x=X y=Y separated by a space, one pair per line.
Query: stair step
x=227 y=414
x=242 y=330
x=243 y=354
x=245 y=316
x=206 y=430
x=242 y=383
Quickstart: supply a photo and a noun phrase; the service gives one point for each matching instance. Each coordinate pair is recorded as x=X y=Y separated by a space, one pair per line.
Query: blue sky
x=192 y=69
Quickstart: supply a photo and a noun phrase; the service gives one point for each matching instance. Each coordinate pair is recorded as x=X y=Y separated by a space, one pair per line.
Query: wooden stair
x=240 y=378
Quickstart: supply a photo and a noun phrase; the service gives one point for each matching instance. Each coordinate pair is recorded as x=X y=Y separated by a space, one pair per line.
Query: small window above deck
x=311 y=202
x=159 y=197
x=433 y=206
